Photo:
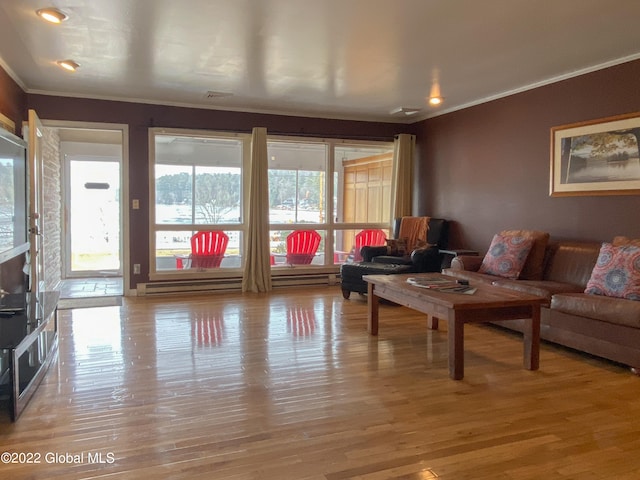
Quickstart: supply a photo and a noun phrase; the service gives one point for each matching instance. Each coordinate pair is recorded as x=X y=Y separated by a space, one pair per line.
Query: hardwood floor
x=290 y=386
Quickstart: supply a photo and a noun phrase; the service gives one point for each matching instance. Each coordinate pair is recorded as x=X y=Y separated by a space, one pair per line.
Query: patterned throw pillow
x=617 y=272
x=506 y=256
x=533 y=268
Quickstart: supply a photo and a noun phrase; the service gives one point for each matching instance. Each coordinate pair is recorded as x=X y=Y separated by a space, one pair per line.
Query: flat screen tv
x=13 y=196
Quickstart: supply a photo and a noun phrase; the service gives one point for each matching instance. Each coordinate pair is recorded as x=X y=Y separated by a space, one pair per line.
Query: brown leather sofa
x=603 y=326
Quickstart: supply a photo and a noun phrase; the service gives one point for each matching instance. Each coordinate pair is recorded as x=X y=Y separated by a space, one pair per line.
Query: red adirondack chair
x=370 y=238
x=207 y=249
x=302 y=246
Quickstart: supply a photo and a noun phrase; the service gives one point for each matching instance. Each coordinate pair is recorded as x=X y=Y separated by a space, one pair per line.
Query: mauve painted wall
x=13 y=100
x=140 y=117
x=487 y=167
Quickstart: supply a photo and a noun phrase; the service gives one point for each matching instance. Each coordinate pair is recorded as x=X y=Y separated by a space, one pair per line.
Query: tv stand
x=28 y=344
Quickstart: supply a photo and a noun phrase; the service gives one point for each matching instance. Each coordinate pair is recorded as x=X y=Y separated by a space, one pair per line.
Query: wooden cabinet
x=366 y=192
x=367 y=189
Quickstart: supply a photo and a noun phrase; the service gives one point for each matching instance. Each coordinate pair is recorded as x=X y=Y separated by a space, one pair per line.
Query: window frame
x=329 y=228
x=154 y=227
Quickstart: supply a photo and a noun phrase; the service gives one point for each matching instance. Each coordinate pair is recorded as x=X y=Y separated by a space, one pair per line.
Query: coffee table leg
x=372 y=310
x=455 y=336
x=532 y=340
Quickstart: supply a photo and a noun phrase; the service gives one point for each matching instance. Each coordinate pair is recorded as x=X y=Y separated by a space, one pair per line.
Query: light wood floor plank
x=289 y=385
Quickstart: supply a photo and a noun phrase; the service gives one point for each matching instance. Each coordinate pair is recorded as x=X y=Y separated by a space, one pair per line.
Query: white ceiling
x=355 y=59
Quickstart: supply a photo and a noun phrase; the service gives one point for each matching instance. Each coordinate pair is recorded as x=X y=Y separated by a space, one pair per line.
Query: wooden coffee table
x=487 y=304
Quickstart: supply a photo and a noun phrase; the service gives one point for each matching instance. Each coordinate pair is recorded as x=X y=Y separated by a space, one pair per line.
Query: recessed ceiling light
x=52 y=15
x=434 y=95
x=68 y=65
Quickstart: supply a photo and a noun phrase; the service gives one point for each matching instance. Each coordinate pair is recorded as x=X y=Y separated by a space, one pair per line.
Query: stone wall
x=52 y=209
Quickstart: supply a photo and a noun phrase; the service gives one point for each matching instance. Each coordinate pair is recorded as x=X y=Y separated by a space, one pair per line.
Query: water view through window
x=199 y=182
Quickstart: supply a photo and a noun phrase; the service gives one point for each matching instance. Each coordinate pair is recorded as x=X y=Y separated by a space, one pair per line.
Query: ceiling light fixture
x=435 y=98
x=68 y=65
x=52 y=15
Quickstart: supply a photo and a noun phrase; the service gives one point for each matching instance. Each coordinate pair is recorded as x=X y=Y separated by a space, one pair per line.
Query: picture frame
x=596 y=157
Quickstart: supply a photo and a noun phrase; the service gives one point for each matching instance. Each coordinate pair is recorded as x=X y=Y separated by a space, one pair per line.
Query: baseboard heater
x=232 y=284
x=293 y=280
x=182 y=286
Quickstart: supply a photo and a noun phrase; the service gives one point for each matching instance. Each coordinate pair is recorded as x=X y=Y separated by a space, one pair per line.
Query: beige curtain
x=404 y=147
x=257 y=269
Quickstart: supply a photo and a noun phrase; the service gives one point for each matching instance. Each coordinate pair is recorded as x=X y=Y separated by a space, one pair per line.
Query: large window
x=198 y=184
x=300 y=196
x=297 y=173
x=322 y=192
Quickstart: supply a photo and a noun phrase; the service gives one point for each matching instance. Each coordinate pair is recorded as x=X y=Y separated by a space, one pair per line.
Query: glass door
x=36 y=203
x=93 y=216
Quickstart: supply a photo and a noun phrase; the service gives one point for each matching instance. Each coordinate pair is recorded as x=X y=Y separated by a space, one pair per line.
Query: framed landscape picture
x=598 y=157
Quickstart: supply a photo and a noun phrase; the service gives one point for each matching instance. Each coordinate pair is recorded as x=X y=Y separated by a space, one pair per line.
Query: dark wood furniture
x=28 y=344
x=487 y=304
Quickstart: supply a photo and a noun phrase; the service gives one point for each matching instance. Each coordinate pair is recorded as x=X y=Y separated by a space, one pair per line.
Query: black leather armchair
x=377 y=261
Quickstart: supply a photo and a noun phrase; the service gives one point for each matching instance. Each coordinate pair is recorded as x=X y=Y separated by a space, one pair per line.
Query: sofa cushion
x=539 y=288
x=607 y=309
x=392 y=259
x=533 y=268
x=616 y=273
x=506 y=255
x=356 y=270
x=571 y=262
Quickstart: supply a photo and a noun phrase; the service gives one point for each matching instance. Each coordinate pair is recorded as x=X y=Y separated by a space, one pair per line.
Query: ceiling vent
x=404 y=111
x=211 y=95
